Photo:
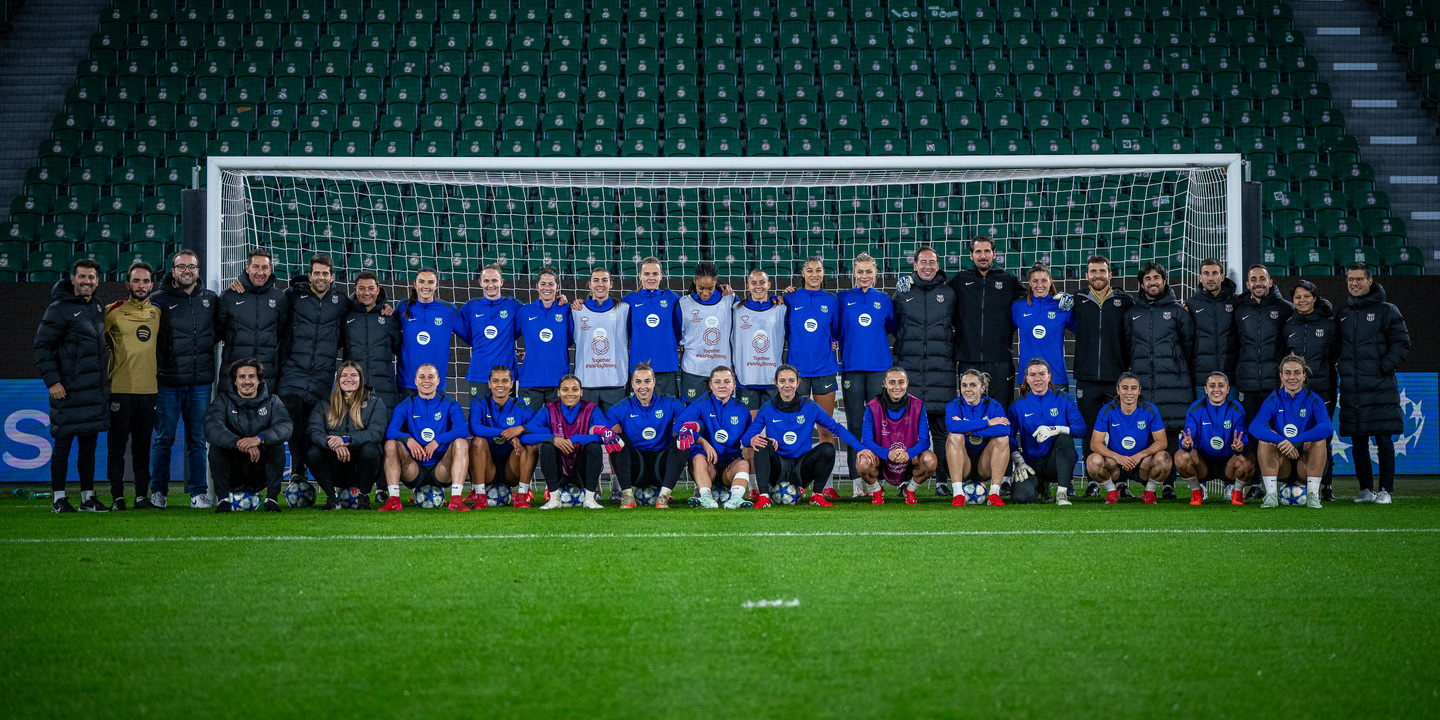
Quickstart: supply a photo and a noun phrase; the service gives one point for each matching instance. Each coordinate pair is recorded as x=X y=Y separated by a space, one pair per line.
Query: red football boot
x=831 y=495
x=391 y=505
x=995 y=501
x=958 y=500
x=1148 y=497
x=457 y=503
x=1197 y=497
x=910 y=497
x=473 y=497
x=878 y=497
x=761 y=501
x=522 y=500
x=1112 y=497
x=821 y=501
x=754 y=496
x=1237 y=497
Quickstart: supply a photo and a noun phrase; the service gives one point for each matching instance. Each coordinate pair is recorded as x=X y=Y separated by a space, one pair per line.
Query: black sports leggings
x=1360 y=447
x=365 y=463
x=587 y=470
x=84 y=462
x=652 y=468
x=813 y=468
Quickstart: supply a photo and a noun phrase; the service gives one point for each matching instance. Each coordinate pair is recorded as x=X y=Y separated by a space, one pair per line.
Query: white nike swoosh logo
x=349 y=320
x=239 y=302
x=849 y=304
x=77 y=313
x=970 y=283
x=1028 y=414
x=1199 y=310
x=634 y=416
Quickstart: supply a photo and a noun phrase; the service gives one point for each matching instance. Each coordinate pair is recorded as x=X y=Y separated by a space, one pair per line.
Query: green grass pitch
x=894 y=611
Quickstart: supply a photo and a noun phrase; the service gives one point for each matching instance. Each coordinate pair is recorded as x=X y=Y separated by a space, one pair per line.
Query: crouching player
x=247 y=428
x=425 y=443
x=781 y=437
x=1292 y=427
x=1043 y=424
x=346 y=434
x=646 y=422
x=711 y=430
x=978 y=449
x=496 y=453
x=1128 y=442
x=1213 y=443
x=572 y=433
x=897 y=434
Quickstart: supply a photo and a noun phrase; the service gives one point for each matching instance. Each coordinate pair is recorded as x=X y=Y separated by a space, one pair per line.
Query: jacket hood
x=358 y=306
x=1324 y=310
x=1374 y=297
x=64 y=291
x=1166 y=298
x=1271 y=298
x=1227 y=291
x=253 y=288
x=927 y=285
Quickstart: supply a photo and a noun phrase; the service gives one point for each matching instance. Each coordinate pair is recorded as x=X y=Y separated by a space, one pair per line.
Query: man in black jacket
x=1160 y=335
x=1373 y=343
x=1260 y=322
x=983 y=330
x=310 y=350
x=1101 y=353
x=185 y=349
x=371 y=337
x=70 y=351
x=247 y=428
x=1212 y=309
x=253 y=313
x=925 y=308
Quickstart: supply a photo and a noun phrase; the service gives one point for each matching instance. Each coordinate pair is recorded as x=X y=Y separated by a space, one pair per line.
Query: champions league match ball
x=1292 y=494
x=349 y=498
x=498 y=495
x=300 y=494
x=647 y=494
x=722 y=495
x=975 y=493
x=571 y=496
x=785 y=494
x=245 y=501
x=429 y=496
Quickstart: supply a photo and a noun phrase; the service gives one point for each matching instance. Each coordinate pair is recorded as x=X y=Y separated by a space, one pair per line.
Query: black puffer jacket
x=1160 y=334
x=373 y=340
x=231 y=418
x=1101 y=352
x=925 y=339
x=1373 y=343
x=984 y=332
x=1314 y=337
x=1261 y=324
x=250 y=324
x=1217 y=345
x=186 y=348
x=374 y=415
x=70 y=349
x=312 y=340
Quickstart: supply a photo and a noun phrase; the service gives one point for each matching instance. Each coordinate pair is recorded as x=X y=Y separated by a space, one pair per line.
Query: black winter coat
x=984 y=332
x=1217 y=344
x=312 y=340
x=186 y=349
x=1373 y=343
x=1314 y=337
x=1101 y=352
x=1261 y=325
x=373 y=340
x=925 y=339
x=70 y=349
x=232 y=418
x=250 y=324
x=374 y=414
x=1160 y=334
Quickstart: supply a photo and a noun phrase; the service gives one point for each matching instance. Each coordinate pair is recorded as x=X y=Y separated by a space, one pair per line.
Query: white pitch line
x=678 y=535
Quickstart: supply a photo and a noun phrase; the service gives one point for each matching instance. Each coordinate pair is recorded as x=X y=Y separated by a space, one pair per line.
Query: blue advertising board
x=1417 y=450
x=26 y=446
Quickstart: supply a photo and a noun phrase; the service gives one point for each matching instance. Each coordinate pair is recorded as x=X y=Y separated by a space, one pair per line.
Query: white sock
x=589 y=496
x=522 y=488
x=478 y=488
x=956 y=489
x=456 y=489
x=1312 y=485
x=664 y=492
x=737 y=491
x=58 y=494
x=912 y=486
x=872 y=488
x=1109 y=486
x=394 y=490
x=1269 y=481
x=1194 y=483
x=704 y=492
x=994 y=489
x=87 y=495
x=857 y=487
x=1151 y=485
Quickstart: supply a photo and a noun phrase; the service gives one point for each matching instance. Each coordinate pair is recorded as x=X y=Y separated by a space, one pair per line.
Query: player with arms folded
x=1292 y=427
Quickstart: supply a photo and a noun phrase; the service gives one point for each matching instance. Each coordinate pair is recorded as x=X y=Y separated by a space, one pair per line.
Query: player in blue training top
x=426 y=326
x=497 y=420
x=867 y=319
x=812 y=329
x=646 y=422
x=711 y=430
x=781 y=437
x=1128 y=442
x=572 y=433
x=1291 y=426
x=1043 y=423
x=547 y=330
x=425 y=442
x=654 y=330
x=978 y=449
x=1042 y=321
x=489 y=328
x=1213 y=443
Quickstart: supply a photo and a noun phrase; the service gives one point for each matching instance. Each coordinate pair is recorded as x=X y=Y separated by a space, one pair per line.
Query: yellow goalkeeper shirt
x=130 y=328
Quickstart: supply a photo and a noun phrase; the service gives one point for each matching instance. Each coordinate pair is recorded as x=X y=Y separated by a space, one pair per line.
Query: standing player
x=496 y=454
x=247 y=428
x=983 y=330
x=1101 y=352
x=1292 y=426
x=654 y=327
x=925 y=345
x=1212 y=309
x=1160 y=334
x=312 y=342
x=711 y=430
x=427 y=325
x=602 y=360
x=130 y=327
x=1312 y=334
x=1129 y=442
x=1042 y=321
x=758 y=342
x=780 y=437
x=898 y=437
x=867 y=318
x=425 y=443
x=704 y=318
x=546 y=330
x=646 y=421
x=251 y=318
x=571 y=433
x=1260 y=321
x=490 y=329
x=1042 y=423
x=1373 y=342
x=371 y=337
x=811 y=337
x=1213 y=445
x=978 y=438
x=70 y=352
x=185 y=354
x=346 y=437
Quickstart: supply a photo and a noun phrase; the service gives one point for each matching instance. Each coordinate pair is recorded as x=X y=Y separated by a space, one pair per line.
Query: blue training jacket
x=1033 y=411
x=1042 y=325
x=438 y=419
x=794 y=432
x=648 y=427
x=548 y=334
x=1213 y=427
x=488 y=420
x=811 y=325
x=723 y=424
x=654 y=331
x=1300 y=418
x=867 y=318
x=490 y=330
x=425 y=331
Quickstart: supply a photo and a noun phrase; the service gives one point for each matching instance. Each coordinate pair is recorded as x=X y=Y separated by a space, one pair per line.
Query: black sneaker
x=63 y=505
x=1124 y=488
x=118 y=505
x=1092 y=489
x=1169 y=492
x=143 y=503
x=1005 y=489
x=1254 y=492
x=223 y=507
x=329 y=504
x=942 y=488
x=1327 y=493
x=271 y=506
x=365 y=502
x=94 y=505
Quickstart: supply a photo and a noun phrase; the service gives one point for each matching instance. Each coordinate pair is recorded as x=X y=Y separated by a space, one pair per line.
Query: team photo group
x=736 y=387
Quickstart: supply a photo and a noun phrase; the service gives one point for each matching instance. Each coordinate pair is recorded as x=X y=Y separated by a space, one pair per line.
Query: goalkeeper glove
x=1021 y=471
x=1067 y=301
x=608 y=438
x=687 y=435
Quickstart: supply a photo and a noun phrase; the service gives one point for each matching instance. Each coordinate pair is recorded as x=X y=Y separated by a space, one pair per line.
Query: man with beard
x=371 y=337
x=1101 y=352
x=185 y=350
x=1373 y=343
x=130 y=327
x=252 y=314
x=312 y=344
x=925 y=309
x=983 y=331
x=70 y=352
x=1160 y=333
x=1260 y=321
x=247 y=428
x=1212 y=309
